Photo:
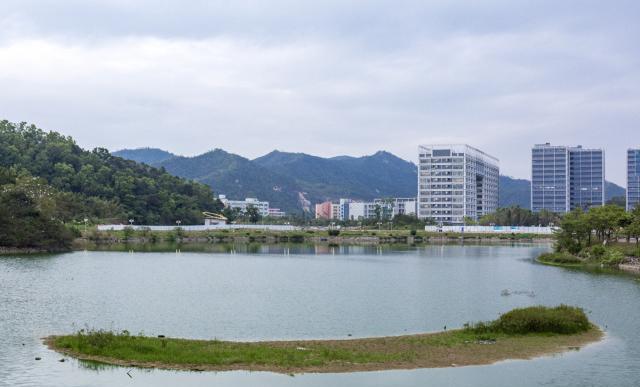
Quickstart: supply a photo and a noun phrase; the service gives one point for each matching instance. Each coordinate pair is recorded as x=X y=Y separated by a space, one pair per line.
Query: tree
x=253 y=214
x=469 y=221
x=605 y=220
x=230 y=213
x=633 y=228
x=24 y=224
x=574 y=232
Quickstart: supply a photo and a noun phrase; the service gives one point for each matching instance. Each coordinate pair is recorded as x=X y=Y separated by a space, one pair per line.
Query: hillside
x=236 y=177
x=282 y=177
x=514 y=192
x=291 y=180
x=381 y=174
x=124 y=188
x=148 y=156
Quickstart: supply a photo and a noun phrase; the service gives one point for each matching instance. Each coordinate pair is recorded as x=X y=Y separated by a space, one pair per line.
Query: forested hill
x=98 y=184
x=148 y=156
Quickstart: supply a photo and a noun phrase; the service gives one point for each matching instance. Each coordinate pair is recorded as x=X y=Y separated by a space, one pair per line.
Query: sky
x=327 y=77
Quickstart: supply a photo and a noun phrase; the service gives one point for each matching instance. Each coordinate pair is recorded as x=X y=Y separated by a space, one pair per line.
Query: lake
x=279 y=292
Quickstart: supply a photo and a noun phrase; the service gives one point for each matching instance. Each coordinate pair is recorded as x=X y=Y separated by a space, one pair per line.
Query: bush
x=413 y=232
x=334 y=232
x=561 y=319
x=613 y=257
x=540 y=319
x=559 y=258
x=598 y=251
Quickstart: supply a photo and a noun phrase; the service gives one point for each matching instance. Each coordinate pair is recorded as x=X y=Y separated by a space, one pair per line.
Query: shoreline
x=97 y=239
x=630 y=266
x=455 y=348
x=348 y=237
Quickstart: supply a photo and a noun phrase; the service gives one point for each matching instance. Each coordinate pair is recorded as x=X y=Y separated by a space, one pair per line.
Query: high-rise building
x=550 y=178
x=633 y=178
x=586 y=178
x=564 y=178
x=455 y=182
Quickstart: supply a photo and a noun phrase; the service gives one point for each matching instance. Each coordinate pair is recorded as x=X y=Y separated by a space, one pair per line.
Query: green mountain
x=514 y=192
x=110 y=187
x=291 y=181
x=379 y=175
x=236 y=177
x=612 y=190
x=148 y=156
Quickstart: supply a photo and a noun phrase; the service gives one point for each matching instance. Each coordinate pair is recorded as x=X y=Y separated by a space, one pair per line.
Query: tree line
x=580 y=229
x=122 y=189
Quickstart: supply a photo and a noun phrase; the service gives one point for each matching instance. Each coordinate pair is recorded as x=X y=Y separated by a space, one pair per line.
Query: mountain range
x=295 y=181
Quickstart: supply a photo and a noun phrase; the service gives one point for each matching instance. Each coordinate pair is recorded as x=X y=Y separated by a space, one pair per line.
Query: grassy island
x=519 y=334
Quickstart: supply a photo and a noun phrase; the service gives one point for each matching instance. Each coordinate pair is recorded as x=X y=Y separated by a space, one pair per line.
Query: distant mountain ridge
x=147 y=156
x=293 y=181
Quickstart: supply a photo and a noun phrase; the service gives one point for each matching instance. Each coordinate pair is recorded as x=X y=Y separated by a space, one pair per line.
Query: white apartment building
x=241 y=205
x=398 y=206
x=456 y=181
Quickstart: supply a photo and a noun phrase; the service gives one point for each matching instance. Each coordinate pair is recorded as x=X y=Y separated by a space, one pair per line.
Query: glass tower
x=550 y=178
x=456 y=181
x=564 y=178
x=633 y=178
x=586 y=172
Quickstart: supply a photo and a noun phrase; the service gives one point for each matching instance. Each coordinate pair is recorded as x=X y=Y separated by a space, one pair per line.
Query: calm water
x=279 y=293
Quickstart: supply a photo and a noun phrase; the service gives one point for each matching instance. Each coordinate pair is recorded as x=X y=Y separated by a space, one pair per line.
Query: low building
x=276 y=213
x=241 y=205
x=213 y=219
x=398 y=206
x=324 y=210
x=349 y=209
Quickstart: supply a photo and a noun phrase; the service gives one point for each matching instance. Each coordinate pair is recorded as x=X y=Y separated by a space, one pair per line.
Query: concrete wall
x=201 y=227
x=492 y=229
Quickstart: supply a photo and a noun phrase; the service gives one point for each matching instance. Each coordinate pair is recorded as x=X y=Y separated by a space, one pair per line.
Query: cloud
x=327 y=79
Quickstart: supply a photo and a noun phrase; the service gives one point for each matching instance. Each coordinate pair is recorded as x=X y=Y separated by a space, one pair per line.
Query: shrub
x=334 y=232
x=561 y=319
x=613 y=257
x=598 y=251
x=540 y=319
x=413 y=232
x=560 y=258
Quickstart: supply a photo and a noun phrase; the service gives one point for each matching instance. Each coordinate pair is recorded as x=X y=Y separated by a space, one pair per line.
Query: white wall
x=492 y=229
x=201 y=227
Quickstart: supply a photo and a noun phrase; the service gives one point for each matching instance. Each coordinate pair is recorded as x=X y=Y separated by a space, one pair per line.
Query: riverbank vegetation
x=519 y=334
x=603 y=236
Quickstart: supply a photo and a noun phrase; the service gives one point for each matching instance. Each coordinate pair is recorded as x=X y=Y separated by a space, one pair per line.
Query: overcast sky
x=327 y=77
